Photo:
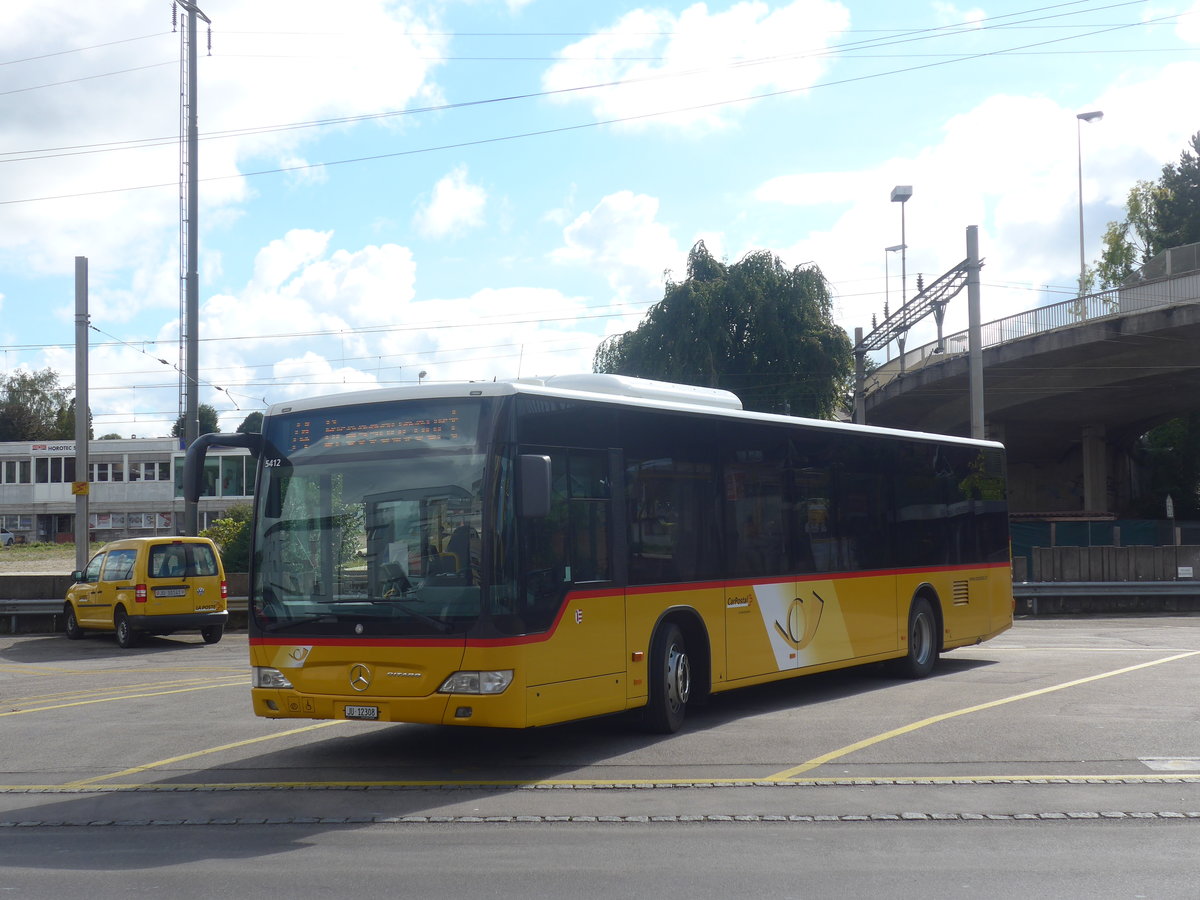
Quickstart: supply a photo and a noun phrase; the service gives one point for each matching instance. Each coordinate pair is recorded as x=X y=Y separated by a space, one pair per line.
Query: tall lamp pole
x=887 y=307
x=900 y=194
x=1093 y=116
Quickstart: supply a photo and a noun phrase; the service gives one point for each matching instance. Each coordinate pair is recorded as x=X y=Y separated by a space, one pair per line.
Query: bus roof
x=601 y=388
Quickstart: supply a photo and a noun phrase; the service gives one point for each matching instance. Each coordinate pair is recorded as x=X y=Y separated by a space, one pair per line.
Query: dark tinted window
x=671 y=497
x=571 y=545
x=181 y=560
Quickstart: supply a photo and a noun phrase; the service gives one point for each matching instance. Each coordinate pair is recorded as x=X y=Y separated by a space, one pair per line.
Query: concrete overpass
x=1068 y=388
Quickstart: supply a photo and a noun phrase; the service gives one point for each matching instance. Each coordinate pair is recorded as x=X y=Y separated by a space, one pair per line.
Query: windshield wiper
x=407 y=605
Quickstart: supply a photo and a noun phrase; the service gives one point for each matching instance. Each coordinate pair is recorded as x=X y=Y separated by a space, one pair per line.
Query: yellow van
x=150 y=586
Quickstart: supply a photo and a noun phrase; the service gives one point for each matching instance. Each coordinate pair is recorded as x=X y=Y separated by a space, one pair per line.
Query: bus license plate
x=362 y=712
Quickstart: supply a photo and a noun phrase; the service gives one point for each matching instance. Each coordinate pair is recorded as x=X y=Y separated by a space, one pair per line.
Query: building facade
x=135 y=488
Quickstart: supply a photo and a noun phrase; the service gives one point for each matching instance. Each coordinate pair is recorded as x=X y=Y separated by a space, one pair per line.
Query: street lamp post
x=887 y=281
x=900 y=194
x=1093 y=116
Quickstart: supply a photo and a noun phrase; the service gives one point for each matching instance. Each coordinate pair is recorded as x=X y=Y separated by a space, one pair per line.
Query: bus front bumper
x=503 y=710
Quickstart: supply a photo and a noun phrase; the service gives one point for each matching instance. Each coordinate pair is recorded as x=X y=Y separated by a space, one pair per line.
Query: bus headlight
x=263 y=677
x=477 y=682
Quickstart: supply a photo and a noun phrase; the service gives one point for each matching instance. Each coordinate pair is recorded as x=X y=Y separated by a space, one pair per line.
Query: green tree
x=1158 y=216
x=252 y=424
x=755 y=327
x=64 y=424
x=33 y=406
x=208 y=421
x=232 y=536
x=1127 y=244
x=1177 y=204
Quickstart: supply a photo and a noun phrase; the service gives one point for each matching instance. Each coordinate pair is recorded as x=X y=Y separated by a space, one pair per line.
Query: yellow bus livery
x=523 y=553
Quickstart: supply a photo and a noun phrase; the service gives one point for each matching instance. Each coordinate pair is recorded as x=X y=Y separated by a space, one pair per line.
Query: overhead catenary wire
x=903 y=37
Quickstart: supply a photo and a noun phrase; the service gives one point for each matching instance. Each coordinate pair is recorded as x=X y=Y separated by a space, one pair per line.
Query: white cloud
x=622 y=237
x=745 y=50
x=456 y=206
x=378 y=57
x=1188 y=26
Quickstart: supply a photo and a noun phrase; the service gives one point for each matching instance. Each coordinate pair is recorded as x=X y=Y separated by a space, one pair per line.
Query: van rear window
x=181 y=560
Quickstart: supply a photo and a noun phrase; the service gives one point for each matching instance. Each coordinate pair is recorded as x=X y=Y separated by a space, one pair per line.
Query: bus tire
x=670 y=681
x=126 y=636
x=71 y=623
x=923 y=643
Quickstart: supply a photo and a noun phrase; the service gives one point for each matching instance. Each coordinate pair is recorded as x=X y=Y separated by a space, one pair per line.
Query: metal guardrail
x=1025 y=589
x=1106 y=597
x=54 y=607
x=1109 y=304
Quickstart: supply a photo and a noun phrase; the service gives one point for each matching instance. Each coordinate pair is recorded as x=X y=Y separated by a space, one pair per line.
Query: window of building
x=233 y=476
x=54 y=469
x=149 y=471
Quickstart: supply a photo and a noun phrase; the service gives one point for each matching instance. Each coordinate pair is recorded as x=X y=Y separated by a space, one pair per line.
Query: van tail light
x=139 y=594
x=224 y=590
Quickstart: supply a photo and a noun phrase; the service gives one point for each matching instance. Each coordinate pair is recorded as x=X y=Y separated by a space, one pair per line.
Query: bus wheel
x=126 y=636
x=670 y=681
x=922 y=642
x=71 y=626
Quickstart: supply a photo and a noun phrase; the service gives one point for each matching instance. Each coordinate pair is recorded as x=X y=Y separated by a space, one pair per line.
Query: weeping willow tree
x=755 y=327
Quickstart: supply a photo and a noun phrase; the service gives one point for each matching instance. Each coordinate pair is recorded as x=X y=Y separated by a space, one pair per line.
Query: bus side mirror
x=533 y=474
x=193 y=462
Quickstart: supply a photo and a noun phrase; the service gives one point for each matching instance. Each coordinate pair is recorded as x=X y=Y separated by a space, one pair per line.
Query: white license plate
x=170 y=592
x=362 y=712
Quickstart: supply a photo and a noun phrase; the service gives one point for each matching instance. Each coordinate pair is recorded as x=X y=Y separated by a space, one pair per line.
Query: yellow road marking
x=82 y=693
x=174 y=759
x=36 y=709
x=818 y=761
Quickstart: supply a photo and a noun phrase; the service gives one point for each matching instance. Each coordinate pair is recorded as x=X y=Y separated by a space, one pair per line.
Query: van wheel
x=71 y=626
x=126 y=636
x=670 y=682
x=212 y=633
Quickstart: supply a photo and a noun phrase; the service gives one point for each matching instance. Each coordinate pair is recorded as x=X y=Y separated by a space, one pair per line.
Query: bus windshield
x=371 y=526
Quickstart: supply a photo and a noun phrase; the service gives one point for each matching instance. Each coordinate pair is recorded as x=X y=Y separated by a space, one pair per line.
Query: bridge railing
x=1065 y=314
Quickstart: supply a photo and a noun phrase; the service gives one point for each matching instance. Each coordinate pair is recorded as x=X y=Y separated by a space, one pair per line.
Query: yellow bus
x=523 y=553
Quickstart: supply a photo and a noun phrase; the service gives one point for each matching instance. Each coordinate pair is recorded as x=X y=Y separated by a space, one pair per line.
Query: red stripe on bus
x=519 y=640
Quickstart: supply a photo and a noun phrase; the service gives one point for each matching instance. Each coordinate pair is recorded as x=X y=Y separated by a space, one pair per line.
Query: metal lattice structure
x=931 y=299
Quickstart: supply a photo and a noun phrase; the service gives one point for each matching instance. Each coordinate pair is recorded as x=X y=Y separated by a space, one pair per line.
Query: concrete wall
x=1112 y=563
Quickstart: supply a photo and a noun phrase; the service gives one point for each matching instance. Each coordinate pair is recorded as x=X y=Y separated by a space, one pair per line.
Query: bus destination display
x=448 y=425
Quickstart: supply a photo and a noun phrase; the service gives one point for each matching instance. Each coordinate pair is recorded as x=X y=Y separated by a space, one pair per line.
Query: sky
x=392 y=192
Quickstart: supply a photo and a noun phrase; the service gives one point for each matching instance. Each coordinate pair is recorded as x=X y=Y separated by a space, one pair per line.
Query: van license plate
x=362 y=712
x=170 y=592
